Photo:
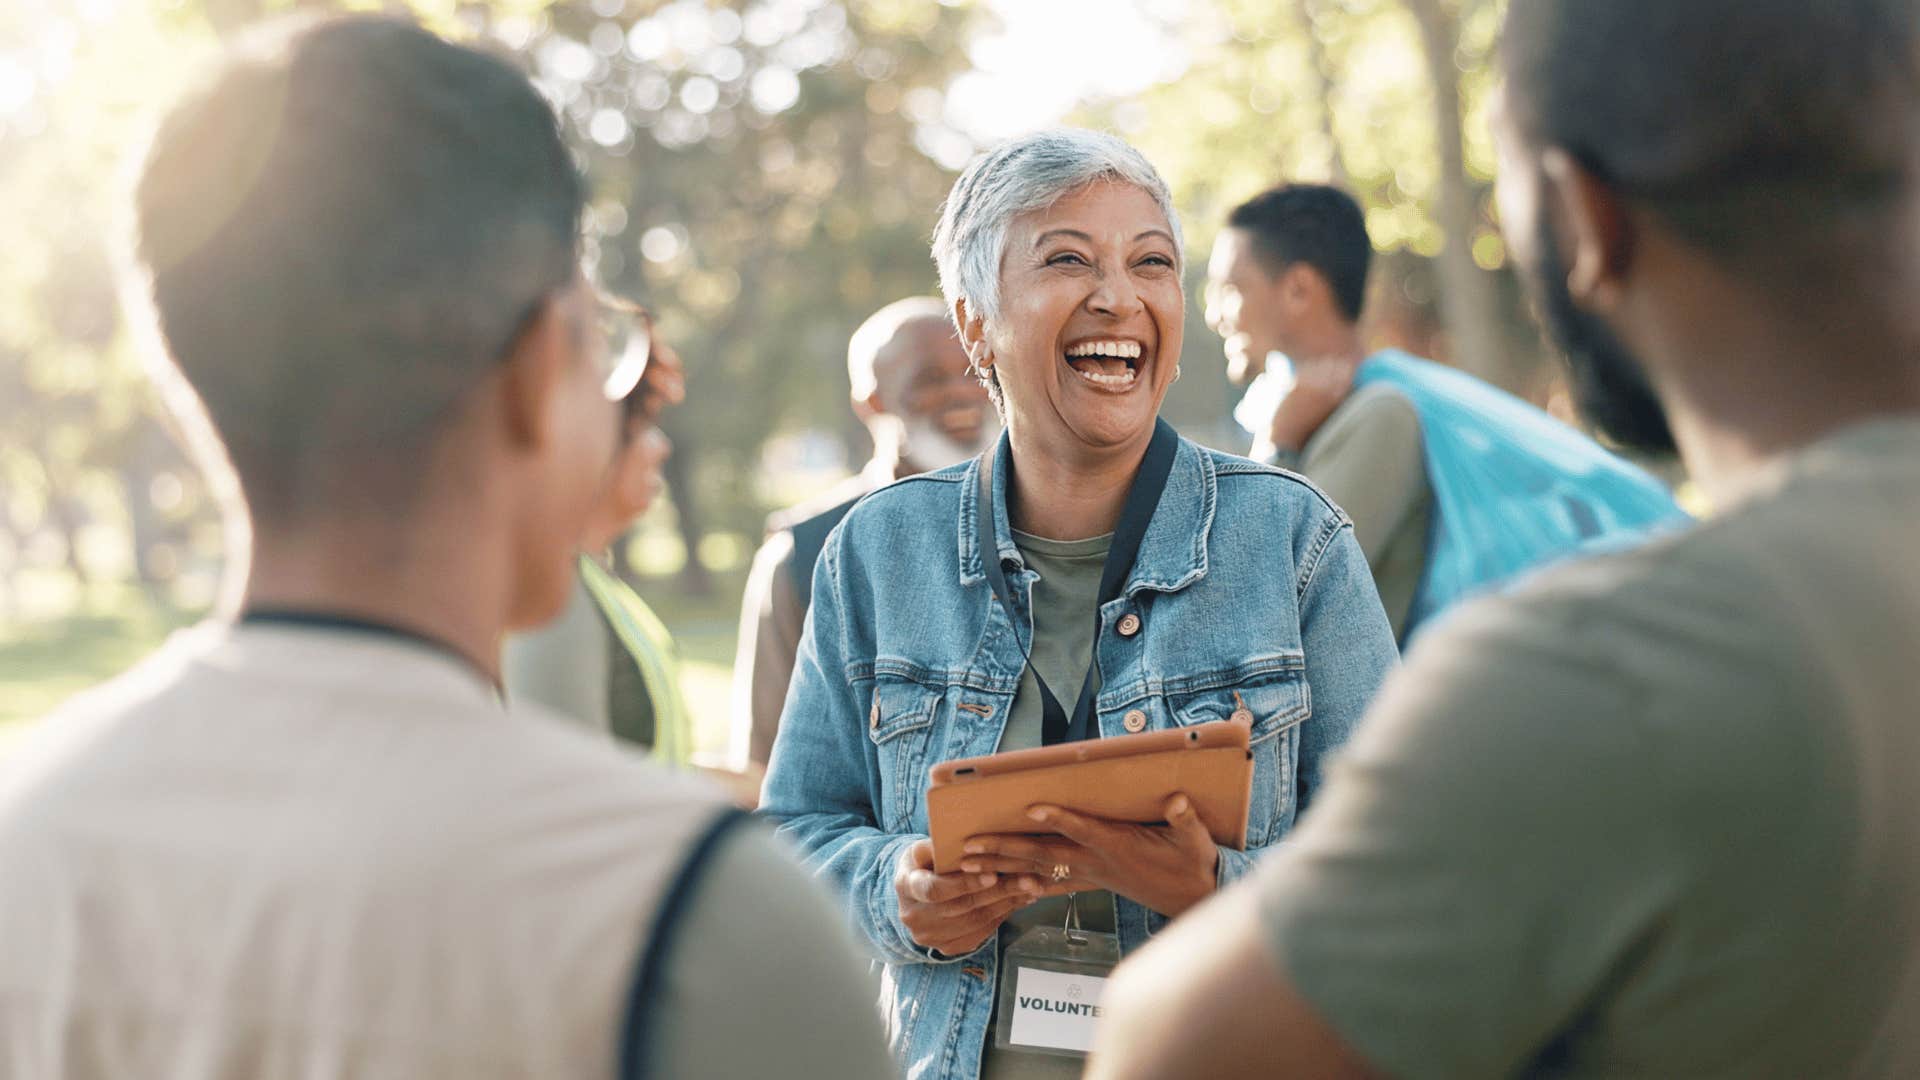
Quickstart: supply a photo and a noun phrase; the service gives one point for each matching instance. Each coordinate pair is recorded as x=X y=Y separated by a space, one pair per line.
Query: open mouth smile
x=1112 y=365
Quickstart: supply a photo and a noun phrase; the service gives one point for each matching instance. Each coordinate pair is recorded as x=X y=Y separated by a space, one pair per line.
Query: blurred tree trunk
x=1468 y=302
x=694 y=578
x=68 y=519
x=1323 y=92
x=146 y=526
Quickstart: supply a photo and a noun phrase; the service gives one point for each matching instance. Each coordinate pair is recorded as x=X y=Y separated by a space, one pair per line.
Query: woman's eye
x=1157 y=260
x=1066 y=258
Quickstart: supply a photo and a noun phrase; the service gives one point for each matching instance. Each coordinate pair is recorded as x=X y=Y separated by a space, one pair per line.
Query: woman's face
x=1091 y=312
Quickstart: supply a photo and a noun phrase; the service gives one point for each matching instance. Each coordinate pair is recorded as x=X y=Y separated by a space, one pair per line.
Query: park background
x=764 y=175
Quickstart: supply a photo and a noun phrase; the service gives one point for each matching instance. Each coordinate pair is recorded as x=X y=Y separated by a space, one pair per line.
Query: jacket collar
x=1173 y=554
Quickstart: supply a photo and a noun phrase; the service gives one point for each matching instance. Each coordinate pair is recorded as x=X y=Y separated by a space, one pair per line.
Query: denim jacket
x=1249 y=586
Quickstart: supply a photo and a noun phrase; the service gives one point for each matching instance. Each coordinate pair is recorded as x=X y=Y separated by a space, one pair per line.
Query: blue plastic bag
x=1513 y=488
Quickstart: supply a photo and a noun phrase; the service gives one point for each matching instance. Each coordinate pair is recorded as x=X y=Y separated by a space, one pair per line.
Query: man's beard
x=1609 y=385
x=929 y=447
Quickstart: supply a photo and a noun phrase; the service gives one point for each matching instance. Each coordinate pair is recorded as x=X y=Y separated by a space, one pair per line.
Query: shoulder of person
x=1369 y=410
x=1243 y=478
x=70 y=727
x=832 y=500
x=1377 y=398
x=911 y=498
x=1687 y=631
x=549 y=741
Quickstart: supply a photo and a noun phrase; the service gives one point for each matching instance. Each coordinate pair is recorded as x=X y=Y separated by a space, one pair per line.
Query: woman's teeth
x=1128 y=350
x=1123 y=378
x=1105 y=363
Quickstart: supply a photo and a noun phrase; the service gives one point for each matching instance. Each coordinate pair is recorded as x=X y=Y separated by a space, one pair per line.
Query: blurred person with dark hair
x=308 y=840
x=1657 y=813
x=1453 y=485
x=925 y=410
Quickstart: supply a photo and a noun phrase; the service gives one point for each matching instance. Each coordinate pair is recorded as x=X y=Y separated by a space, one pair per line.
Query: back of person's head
x=866 y=359
x=1311 y=225
x=344 y=231
x=1774 y=134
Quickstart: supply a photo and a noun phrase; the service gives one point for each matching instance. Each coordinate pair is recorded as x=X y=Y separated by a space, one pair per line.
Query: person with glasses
x=608 y=660
x=308 y=838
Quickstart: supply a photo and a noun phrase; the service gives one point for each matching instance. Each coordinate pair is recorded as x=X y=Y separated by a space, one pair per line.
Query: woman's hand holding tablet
x=1140 y=815
x=1168 y=868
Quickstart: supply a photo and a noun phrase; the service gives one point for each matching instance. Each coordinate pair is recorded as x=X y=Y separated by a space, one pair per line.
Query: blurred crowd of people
x=1547 y=778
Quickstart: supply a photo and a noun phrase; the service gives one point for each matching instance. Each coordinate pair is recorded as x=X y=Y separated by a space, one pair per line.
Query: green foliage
x=765 y=173
x=757 y=181
x=1319 y=90
x=756 y=177
x=85 y=463
x=1340 y=91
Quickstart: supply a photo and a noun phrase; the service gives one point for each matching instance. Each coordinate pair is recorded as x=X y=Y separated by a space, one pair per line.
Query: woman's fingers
x=1086 y=831
x=979 y=928
x=1185 y=821
x=1008 y=864
x=915 y=880
x=1025 y=851
x=928 y=887
x=1017 y=889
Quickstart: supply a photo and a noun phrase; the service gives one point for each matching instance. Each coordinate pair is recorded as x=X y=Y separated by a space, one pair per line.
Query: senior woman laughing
x=1095 y=575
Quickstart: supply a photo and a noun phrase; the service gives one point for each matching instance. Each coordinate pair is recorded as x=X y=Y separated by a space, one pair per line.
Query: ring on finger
x=1061 y=871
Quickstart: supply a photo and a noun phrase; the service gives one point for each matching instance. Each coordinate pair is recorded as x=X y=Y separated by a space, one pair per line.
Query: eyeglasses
x=627 y=333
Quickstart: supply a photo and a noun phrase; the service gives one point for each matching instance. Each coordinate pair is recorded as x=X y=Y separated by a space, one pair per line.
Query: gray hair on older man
x=1023 y=174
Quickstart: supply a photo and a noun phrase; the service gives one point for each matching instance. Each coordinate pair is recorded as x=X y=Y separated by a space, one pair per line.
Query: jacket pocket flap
x=897 y=707
x=1276 y=703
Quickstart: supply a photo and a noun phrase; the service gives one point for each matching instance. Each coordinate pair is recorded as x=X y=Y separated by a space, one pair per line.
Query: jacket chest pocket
x=899 y=722
x=1274 y=704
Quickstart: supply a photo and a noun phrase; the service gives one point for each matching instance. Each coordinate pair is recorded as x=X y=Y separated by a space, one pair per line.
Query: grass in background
x=47 y=660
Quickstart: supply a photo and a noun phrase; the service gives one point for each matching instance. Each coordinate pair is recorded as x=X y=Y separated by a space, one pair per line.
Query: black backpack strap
x=637 y=1035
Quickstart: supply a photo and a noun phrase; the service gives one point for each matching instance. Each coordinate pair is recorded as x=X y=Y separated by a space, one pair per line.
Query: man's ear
x=972 y=331
x=1300 y=287
x=532 y=375
x=869 y=407
x=1594 y=229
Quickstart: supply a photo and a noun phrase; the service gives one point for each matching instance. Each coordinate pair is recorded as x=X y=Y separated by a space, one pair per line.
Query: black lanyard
x=1142 y=499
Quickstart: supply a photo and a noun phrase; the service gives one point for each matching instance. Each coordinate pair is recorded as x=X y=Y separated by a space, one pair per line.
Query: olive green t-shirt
x=1370 y=460
x=1064 y=600
x=1656 y=814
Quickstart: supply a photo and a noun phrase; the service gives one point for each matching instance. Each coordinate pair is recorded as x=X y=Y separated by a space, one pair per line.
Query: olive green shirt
x=1656 y=814
x=1064 y=600
x=1369 y=459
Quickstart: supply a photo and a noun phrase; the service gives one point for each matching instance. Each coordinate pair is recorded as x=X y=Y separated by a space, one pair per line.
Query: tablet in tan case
x=1124 y=778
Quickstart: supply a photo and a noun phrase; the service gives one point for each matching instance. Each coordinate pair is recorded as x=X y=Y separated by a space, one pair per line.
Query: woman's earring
x=1176 y=373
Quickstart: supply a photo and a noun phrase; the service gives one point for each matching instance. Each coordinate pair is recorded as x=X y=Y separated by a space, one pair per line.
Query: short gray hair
x=1021 y=175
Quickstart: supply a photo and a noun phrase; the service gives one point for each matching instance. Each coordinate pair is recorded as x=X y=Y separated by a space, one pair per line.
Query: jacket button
x=873 y=718
x=1241 y=714
x=1135 y=721
x=1129 y=624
